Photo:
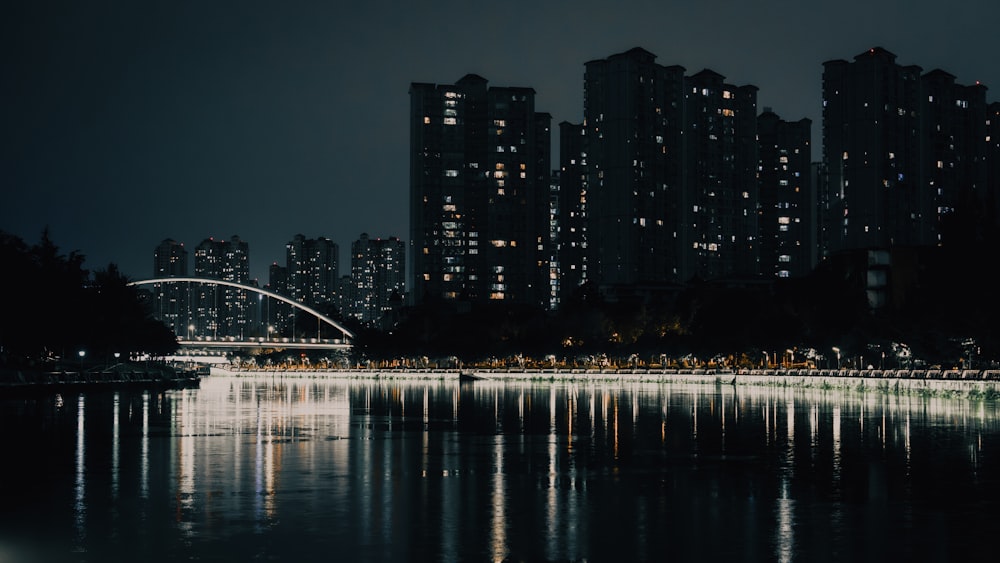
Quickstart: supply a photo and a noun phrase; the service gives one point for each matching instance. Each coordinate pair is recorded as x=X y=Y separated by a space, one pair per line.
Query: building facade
x=171 y=301
x=479 y=193
x=222 y=311
x=788 y=203
x=670 y=163
x=902 y=150
x=313 y=267
x=378 y=271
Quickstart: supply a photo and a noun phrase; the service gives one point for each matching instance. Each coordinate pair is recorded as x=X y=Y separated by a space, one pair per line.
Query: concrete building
x=671 y=173
x=171 y=300
x=787 y=215
x=378 y=271
x=222 y=311
x=479 y=193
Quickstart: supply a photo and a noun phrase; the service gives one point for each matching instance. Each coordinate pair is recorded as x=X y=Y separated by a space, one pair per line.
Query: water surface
x=272 y=469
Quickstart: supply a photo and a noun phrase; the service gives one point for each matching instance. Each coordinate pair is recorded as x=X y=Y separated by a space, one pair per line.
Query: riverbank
x=963 y=383
x=118 y=376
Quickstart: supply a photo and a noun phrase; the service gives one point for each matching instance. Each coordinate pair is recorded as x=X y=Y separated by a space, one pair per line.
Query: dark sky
x=128 y=122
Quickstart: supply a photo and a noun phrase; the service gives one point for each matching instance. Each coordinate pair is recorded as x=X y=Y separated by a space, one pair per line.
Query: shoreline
x=969 y=383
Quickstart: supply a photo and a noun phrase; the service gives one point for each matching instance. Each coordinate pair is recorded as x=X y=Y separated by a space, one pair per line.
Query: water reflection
x=411 y=470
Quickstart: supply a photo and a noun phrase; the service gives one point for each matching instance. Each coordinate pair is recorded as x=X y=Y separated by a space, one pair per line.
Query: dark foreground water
x=364 y=470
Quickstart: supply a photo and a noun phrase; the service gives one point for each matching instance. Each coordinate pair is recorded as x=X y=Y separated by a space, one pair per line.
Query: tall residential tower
x=479 y=193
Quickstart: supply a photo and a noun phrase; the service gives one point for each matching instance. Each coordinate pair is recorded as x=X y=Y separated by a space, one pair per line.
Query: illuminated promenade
x=974 y=383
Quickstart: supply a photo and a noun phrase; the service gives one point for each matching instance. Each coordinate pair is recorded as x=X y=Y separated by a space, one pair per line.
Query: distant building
x=378 y=270
x=222 y=311
x=479 y=193
x=719 y=217
x=906 y=161
x=668 y=165
x=313 y=266
x=902 y=151
x=993 y=159
x=277 y=315
x=787 y=197
x=572 y=210
x=171 y=300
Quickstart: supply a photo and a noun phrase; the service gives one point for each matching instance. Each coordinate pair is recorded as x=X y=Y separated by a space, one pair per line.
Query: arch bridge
x=231 y=343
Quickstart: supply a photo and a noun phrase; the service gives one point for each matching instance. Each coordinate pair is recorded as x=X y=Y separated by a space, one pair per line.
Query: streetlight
x=837 y=352
x=82 y=354
x=190 y=331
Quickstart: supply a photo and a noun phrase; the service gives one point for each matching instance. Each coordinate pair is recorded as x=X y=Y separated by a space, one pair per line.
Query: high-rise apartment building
x=993 y=160
x=277 y=315
x=787 y=215
x=670 y=163
x=719 y=216
x=572 y=210
x=902 y=150
x=479 y=193
x=633 y=160
x=222 y=311
x=313 y=266
x=170 y=300
x=378 y=270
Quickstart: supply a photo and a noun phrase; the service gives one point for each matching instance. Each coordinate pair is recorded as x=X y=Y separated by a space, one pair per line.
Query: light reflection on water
x=299 y=469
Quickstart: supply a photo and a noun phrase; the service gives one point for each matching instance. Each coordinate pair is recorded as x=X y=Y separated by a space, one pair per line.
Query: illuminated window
x=451 y=173
x=427 y=120
x=450 y=121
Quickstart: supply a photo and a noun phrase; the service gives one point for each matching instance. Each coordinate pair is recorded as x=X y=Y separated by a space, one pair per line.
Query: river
x=274 y=469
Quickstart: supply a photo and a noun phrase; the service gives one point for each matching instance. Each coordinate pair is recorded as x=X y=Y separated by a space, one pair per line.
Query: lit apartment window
x=450 y=121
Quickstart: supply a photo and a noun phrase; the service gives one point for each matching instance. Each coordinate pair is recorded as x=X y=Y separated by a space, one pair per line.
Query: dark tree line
x=53 y=308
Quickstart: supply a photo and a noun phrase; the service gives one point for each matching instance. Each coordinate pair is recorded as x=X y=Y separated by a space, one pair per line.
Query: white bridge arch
x=346 y=333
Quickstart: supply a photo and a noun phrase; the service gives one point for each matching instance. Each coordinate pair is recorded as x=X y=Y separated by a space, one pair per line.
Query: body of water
x=273 y=469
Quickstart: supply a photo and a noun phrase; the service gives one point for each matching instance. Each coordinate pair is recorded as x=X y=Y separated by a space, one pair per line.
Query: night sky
x=128 y=122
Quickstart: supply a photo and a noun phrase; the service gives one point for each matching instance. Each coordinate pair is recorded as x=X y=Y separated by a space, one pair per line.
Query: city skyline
x=129 y=125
